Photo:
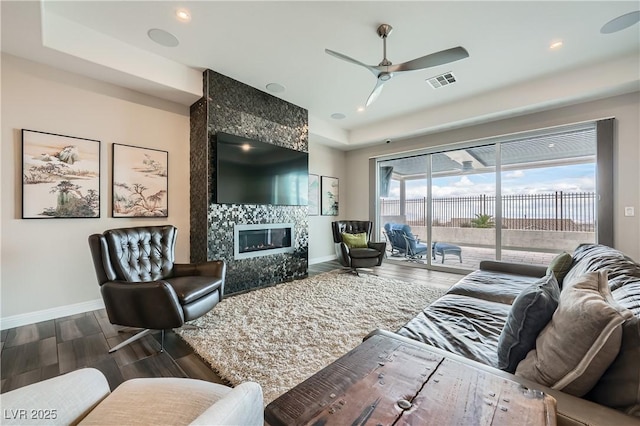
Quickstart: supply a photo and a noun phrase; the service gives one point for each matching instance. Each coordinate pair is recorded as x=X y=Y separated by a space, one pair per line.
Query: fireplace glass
x=262 y=240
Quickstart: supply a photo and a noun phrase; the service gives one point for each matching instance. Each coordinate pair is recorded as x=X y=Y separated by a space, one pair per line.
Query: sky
x=567 y=178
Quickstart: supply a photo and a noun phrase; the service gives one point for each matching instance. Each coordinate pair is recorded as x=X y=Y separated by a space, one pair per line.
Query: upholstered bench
x=443 y=249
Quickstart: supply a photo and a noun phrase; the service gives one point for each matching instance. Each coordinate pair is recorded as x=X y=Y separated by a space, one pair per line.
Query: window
x=522 y=198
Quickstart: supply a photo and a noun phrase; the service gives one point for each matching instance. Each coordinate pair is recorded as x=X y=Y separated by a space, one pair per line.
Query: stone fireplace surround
x=233 y=107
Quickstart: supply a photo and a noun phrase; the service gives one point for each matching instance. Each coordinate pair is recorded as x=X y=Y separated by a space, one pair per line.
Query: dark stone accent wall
x=199 y=199
x=233 y=107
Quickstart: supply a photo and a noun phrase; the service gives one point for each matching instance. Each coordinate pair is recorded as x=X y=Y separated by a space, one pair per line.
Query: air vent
x=442 y=80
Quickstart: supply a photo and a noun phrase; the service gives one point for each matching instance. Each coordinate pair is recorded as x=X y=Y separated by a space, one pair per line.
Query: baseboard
x=49 y=314
x=322 y=259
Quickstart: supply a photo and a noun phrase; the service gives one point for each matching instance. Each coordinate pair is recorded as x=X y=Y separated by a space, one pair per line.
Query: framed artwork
x=329 y=196
x=314 y=195
x=60 y=176
x=140 y=182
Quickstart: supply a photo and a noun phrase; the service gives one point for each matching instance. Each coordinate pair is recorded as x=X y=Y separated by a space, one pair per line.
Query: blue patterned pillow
x=530 y=312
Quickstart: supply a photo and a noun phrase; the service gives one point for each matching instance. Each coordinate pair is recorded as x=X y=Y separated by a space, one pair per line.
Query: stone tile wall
x=236 y=108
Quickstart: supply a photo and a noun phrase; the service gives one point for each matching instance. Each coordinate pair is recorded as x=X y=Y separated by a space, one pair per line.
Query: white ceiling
x=510 y=71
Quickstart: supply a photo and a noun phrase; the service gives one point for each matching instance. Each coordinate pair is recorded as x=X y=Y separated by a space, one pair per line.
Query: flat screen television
x=254 y=172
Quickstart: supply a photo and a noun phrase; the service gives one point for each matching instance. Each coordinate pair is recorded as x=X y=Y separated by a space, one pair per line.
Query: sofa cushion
x=190 y=289
x=560 y=265
x=463 y=325
x=165 y=400
x=492 y=286
x=628 y=295
x=363 y=253
x=619 y=386
x=596 y=257
x=581 y=340
x=355 y=240
x=529 y=314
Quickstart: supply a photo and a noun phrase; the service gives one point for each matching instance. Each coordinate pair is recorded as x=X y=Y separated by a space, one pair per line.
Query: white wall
x=325 y=161
x=626 y=110
x=46 y=264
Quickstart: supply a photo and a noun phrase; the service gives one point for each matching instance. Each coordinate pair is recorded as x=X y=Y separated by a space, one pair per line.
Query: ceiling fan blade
x=432 y=60
x=376 y=92
x=353 y=61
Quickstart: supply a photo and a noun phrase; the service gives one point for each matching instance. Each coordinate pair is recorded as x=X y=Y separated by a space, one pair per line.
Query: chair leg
x=133 y=339
x=186 y=326
x=138 y=336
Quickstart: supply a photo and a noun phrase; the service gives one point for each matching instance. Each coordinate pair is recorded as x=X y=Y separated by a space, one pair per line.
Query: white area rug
x=278 y=336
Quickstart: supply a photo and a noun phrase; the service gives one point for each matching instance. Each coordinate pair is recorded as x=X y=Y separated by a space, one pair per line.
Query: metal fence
x=557 y=211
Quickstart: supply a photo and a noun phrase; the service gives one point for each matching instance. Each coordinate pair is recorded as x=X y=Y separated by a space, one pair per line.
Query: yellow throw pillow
x=355 y=240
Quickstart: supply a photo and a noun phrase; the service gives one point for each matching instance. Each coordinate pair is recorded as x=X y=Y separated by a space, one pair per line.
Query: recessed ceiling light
x=360 y=108
x=275 y=87
x=183 y=15
x=162 y=37
x=246 y=147
x=621 y=22
x=551 y=145
x=556 y=44
x=338 y=116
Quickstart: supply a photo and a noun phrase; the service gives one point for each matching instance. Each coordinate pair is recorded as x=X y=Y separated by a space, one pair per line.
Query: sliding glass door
x=548 y=195
x=516 y=199
x=463 y=205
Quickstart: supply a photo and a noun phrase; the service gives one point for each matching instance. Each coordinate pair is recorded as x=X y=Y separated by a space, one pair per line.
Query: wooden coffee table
x=386 y=381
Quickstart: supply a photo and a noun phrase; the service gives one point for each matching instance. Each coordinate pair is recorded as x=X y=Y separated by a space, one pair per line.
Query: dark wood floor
x=36 y=352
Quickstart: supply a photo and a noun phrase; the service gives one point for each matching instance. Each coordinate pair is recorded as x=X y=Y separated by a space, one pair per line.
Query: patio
x=471 y=257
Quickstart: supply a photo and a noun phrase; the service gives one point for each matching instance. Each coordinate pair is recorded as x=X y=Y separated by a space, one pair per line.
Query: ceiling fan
x=386 y=70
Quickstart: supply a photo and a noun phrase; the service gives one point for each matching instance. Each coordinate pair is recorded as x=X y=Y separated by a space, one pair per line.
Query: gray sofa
x=470 y=318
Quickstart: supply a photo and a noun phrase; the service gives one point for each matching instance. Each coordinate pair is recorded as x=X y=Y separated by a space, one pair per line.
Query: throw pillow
x=530 y=312
x=560 y=265
x=355 y=240
x=619 y=386
x=581 y=340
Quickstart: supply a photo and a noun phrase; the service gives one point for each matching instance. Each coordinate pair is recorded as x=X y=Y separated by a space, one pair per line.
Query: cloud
x=464 y=181
x=516 y=174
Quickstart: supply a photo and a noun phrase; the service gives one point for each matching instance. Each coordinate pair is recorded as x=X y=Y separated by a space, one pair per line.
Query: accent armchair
x=143 y=287
x=364 y=255
x=83 y=397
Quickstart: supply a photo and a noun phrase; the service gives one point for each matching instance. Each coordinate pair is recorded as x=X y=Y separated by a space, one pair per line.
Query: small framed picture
x=60 y=176
x=314 y=195
x=329 y=196
x=140 y=182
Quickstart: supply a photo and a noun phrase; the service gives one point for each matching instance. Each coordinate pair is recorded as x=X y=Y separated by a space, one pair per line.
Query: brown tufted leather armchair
x=143 y=287
x=354 y=258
